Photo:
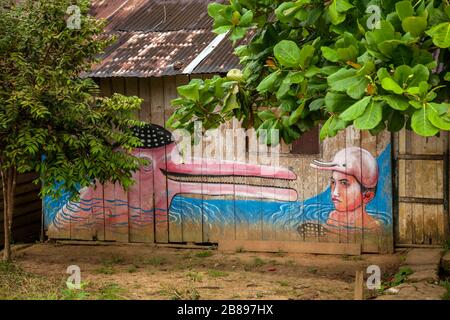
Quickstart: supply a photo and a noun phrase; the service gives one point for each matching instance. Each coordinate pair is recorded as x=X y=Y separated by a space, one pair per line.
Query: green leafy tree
x=373 y=64
x=52 y=121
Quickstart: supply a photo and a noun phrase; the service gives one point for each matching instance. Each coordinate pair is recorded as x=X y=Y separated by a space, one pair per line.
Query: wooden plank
x=353 y=138
x=147 y=199
x=290 y=246
x=406 y=225
x=117 y=85
x=183 y=226
x=161 y=204
x=157 y=101
x=132 y=89
x=98 y=213
x=359 y=285
x=109 y=209
x=441 y=225
x=136 y=212
x=145 y=93
x=297 y=206
x=105 y=87
x=255 y=226
x=386 y=236
x=79 y=229
x=170 y=93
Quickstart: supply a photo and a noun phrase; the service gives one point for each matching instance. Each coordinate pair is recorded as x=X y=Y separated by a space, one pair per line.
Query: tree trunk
x=9 y=187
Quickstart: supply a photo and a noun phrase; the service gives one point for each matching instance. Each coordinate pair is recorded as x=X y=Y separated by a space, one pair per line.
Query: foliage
x=204 y=254
x=51 y=120
x=330 y=62
x=446 y=285
x=400 y=277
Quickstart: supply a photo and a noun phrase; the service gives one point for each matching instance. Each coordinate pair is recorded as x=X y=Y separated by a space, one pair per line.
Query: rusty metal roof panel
x=153 y=15
x=154 y=54
x=159 y=38
x=223 y=59
x=103 y=9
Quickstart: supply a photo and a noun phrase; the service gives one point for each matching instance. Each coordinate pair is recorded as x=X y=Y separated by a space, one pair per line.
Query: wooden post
x=359 y=285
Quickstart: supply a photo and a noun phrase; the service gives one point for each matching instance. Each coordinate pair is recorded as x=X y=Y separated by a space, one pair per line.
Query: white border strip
x=202 y=55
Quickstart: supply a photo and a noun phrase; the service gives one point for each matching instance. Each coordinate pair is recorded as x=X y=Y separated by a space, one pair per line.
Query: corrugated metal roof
x=153 y=54
x=159 y=38
x=162 y=15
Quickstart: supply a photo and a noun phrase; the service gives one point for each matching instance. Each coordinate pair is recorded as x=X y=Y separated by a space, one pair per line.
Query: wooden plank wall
x=247 y=218
x=27 y=211
x=422 y=212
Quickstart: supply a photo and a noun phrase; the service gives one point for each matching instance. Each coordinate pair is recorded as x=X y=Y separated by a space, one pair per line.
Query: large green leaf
x=404 y=9
x=421 y=74
x=390 y=85
x=286 y=11
x=268 y=82
x=414 y=25
x=358 y=89
x=440 y=34
x=295 y=116
x=344 y=79
x=356 y=110
x=371 y=117
x=337 y=102
x=337 y=10
x=214 y=9
x=332 y=126
x=266 y=115
x=306 y=53
x=396 y=121
x=438 y=120
x=246 y=19
x=396 y=102
x=330 y=54
x=190 y=91
x=421 y=124
x=287 y=53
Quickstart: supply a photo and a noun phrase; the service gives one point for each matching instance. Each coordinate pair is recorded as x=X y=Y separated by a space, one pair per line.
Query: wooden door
x=421 y=186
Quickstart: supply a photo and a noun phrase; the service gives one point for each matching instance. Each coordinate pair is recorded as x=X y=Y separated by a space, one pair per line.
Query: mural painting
x=208 y=199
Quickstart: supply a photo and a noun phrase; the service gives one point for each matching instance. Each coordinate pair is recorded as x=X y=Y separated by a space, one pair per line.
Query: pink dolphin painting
x=149 y=199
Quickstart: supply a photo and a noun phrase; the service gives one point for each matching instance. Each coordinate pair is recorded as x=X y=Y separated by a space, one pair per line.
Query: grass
x=173 y=293
x=194 y=276
x=312 y=270
x=446 y=285
x=16 y=284
x=447 y=245
x=204 y=254
x=217 y=274
x=108 y=270
x=132 y=269
x=115 y=259
x=155 y=261
x=110 y=291
x=258 y=262
x=290 y=263
x=283 y=283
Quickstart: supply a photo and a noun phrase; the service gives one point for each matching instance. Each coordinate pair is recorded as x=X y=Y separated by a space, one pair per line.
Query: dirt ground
x=149 y=272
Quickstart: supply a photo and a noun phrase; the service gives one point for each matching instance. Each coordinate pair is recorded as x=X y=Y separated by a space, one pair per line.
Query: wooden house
x=402 y=188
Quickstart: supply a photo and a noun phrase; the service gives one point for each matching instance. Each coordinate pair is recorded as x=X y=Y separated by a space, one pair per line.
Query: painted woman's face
x=345 y=192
